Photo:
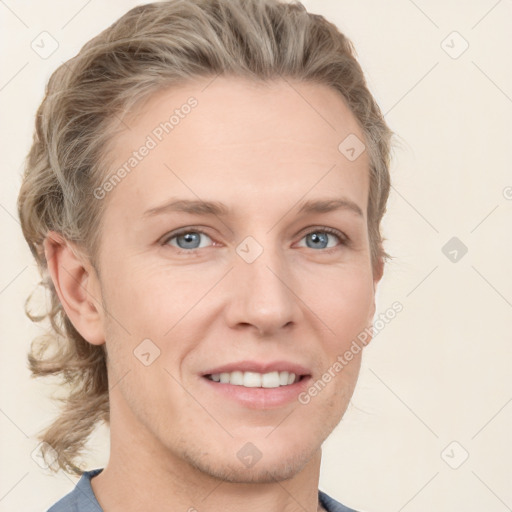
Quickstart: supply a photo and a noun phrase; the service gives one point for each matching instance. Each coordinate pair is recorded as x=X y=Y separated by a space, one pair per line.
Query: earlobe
x=77 y=287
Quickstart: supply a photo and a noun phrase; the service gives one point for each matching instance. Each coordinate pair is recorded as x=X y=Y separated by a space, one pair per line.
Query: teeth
x=236 y=378
x=271 y=380
x=254 y=379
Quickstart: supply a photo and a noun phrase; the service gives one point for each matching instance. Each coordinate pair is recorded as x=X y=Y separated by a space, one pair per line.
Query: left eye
x=319 y=239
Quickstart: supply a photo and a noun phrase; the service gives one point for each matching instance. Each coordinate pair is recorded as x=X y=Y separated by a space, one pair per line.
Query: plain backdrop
x=429 y=426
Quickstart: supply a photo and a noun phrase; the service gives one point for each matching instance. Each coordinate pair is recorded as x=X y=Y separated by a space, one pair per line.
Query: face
x=238 y=243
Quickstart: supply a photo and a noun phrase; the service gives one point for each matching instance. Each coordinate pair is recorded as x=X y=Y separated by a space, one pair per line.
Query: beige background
x=440 y=371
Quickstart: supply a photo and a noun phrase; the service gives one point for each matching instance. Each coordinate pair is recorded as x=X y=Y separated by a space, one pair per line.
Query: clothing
x=82 y=499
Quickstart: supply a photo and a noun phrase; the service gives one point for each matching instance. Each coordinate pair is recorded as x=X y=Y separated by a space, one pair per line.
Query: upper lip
x=260 y=367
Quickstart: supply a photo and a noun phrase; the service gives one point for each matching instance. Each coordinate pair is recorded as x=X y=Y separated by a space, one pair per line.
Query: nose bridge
x=262 y=293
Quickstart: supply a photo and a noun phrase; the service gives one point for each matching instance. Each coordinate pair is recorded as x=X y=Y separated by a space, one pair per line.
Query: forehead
x=232 y=139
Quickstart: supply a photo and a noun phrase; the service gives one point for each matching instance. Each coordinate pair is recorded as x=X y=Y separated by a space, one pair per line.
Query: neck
x=141 y=472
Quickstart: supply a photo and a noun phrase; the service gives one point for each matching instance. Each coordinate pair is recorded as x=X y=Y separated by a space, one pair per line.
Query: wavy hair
x=150 y=48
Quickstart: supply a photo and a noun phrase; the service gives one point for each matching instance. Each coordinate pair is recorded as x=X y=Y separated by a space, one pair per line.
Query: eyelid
x=181 y=231
x=324 y=229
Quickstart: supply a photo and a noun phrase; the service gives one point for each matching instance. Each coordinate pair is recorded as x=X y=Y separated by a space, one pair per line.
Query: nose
x=262 y=295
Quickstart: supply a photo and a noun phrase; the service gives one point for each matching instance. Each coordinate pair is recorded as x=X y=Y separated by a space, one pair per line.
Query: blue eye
x=319 y=239
x=188 y=240
x=191 y=240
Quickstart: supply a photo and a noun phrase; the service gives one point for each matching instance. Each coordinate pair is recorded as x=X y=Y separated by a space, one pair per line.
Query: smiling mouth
x=256 y=380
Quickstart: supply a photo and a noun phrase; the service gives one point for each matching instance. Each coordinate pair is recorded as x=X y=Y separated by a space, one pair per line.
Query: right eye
x=187 y=240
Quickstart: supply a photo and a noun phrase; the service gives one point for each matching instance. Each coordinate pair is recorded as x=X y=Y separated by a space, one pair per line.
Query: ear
x=378 y=272
x=77 y=286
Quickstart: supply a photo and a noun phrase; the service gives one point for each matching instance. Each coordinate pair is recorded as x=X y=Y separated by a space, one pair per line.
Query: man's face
x=263 y=282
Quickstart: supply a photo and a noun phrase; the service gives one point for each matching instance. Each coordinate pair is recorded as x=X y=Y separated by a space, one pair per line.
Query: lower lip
x=260 y=398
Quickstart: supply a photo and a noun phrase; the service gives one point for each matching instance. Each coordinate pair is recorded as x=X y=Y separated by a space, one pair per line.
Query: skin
x=262 y=150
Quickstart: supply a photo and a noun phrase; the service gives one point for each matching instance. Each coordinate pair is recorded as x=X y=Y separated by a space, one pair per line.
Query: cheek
x=343 y=299
x=155 y=299
x=148 y=300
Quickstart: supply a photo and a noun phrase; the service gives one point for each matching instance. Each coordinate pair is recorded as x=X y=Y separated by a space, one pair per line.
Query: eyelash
x=344 y=240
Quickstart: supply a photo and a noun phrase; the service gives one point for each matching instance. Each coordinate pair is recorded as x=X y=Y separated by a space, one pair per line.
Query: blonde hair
x=152 y=47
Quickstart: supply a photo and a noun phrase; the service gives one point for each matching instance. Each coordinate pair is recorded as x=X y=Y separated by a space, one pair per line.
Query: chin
x=268 y=469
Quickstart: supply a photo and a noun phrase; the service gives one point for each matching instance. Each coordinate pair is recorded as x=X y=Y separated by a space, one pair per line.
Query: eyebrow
x=198 y=207
x=329 y=205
